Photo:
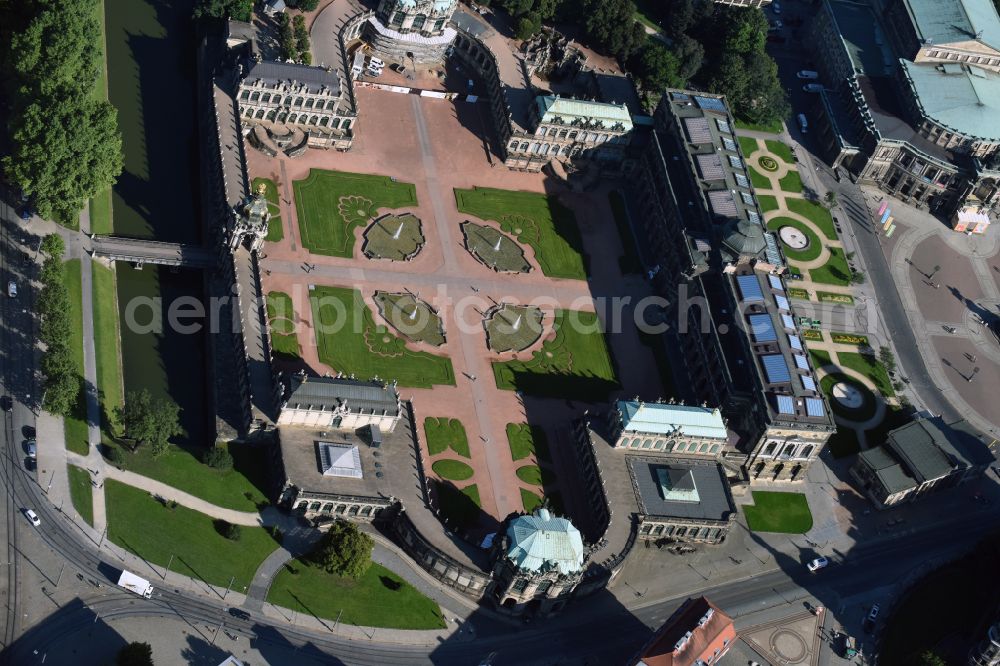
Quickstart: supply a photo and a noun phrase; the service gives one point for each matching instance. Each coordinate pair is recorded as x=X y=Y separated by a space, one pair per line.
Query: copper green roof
x=963 y=98
x=542 y=542
x=950 y=21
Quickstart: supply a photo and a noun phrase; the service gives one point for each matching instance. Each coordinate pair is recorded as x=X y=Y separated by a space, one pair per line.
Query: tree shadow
x=390 y=584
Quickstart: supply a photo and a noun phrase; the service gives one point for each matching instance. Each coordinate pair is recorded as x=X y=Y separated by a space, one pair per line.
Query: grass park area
x=835 y=271
x=281 y=318
x=843 y=443
x=810 y=252
x=452 y=470
x=242 y=488
x=778 y=512
x=527 y=440
x=759 y=180
x=575 y=364
x=81 y=492
x=107 y=346
x=628 y=262
x=330 y=204
x=781 y=149
x=819 y=215
x=820 y=357
x=796 y=292
x=748 y=145
x=868 y=400
x=513 y=327
x=870 y=367
x=536 y=220
x=411 y=317
x=76 y=431
x=275 y=232
x=773 y=127
x=349 y=341
x=459 y=508
x=535 y=475
x=443 y=434
x=767 y=203
x=379 y=598
x=155 y=532
x=530 y=500
x=792 y=182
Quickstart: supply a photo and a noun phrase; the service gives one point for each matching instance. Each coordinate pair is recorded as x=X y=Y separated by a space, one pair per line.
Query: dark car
x=6 y=403
x=239 y=613
x=869 y=623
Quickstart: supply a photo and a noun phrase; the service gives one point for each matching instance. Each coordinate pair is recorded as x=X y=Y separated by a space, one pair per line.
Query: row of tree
x=62 y=383
x=65 y=144
x=714 y=47
x=293 y=38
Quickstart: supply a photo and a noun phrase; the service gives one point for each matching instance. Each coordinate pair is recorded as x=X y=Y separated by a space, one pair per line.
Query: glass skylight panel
x=794 y=341
x=814 y=407
x=775 y=282
x=782 y=302
x=742 y=180
x=800 y=362
x=762 y=328
x=808 y=383
x=787 y=321
x=786 y=404
x=776 y=369
x=750 y=288
x=710 y=103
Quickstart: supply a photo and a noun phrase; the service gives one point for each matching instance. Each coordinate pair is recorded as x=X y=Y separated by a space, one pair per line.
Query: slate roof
x=662 y=419
x=930 y=449
x=314 y=78
x=541 y=542
x=961 y=97
x=714 y=501
x=330 y=393
x=890 y=473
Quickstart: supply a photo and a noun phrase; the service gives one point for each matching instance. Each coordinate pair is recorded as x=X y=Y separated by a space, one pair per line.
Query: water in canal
x=151 y=81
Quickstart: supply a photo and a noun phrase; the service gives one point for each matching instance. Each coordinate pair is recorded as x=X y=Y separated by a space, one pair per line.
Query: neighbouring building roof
x=439 y=5
x=316 y=79
x=551 y=107
x=541 y=541
x=952 y=21
x=961 y=97
x=328 y=393
x=695 y=489
x=663 y=419
x=887 y=470
x=340 y=460
x=687 y=635
x=930 y=449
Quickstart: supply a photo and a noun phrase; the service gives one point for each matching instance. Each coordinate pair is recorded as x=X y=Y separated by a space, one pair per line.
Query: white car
x=33 y=517
x=776 y=7
x=813 y=87
x=32 y=449
x=12 y=289
x=818 y=564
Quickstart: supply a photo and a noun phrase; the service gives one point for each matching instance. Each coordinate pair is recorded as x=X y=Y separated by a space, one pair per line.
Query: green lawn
x=868 y=401
x=767 y=203
x=628 y=262
x=535 y=475
x=452 y=470
x=810 y=252
x=379 y=598
x=820 y=358
x=241 y=488
x=795 y=292
x=773 y=127
x=819 y=215
x=275 y=232
x=281 y=317
x=81 y=492
x=349 y=341
x=525 y=440
x=76 y=431
x=107 y=346
x=871 y=368
x=443 y=434
x=154 y=532
x=843 y=443
x=778 y=512
x=748 y=145
x=834 y=271
x=100 y=213
x=780 y=149
x=530 y=501
x=459 y=508
x=792 y=182
x=317 y=202
x=849 y=339
x=576 y=364
x=536 y=220
x=759 y=180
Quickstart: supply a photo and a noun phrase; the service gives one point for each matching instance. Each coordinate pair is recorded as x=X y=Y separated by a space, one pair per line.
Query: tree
x=218 y=458
x=307 y=5
x=929 y=658
x=239 y=10
x=612 y=24
x=344 y=550
x=658 y=68
x=887 y=358
x=149 y=422
x=228 y=530
x=527 y=26
x=53 y=245
x=64 y=152
x=857 y=277
x=57 y=51
x=135 y=654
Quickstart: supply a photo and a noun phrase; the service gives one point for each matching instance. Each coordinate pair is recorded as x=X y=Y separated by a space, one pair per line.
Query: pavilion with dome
x=411 y=31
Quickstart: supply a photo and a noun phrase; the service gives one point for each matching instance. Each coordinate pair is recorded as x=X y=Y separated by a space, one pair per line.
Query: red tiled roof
x=716 y=633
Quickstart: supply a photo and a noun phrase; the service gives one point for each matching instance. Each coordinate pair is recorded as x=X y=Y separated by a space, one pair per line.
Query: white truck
x=136 y=585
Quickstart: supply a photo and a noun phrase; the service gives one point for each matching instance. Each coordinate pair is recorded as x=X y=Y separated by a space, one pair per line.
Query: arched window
x=328 y=507
x=573 y=134
x=309 y=103
x=397 y=18
x=789 y=449
x=438 y=25
x=807 y=451
x=298 y=102
x=266 y=98
x=418 y=22
x=272 y=114
x=769 y=449
x=245 y=95
x=714 y=449
x=254 y=96
x=314 y=506
x=346 y=125
x=624 y=442
x=302 y=506
x=647 y=443
x=260 y=113
x=703 y=448
x=341 y=508
x=324 y=121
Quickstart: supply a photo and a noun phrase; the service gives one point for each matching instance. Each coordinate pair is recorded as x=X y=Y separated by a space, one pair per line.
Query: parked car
x=803 y=123
x=817 y=564
x=33 y=517
x=32 y=449
x=869 y=622
x=7 y=403
x=776 y=7
x=239 y=613
x=807 y=74
x=12 y=289
x=777 y=24
x=813 y=87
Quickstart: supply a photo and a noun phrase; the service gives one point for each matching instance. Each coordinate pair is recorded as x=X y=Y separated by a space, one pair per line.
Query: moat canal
x=151 y=81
